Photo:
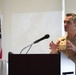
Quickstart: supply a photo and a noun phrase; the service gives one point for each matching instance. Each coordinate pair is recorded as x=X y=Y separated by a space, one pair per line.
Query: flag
x=0 y=42
x=1 y=54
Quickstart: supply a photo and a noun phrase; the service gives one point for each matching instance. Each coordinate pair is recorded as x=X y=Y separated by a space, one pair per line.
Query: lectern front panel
x=34 y=64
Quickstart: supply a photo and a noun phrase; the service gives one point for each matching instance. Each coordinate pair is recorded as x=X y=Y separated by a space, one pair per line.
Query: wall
x=0 y=7
x=46 y=13
x=70 y=6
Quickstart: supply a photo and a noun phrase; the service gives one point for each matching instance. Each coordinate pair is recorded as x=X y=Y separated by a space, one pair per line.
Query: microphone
x=44 y=37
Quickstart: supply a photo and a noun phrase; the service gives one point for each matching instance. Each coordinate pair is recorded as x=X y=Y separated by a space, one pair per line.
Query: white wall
x=70 y=6
x=28 y=27
x=0 y=7
x=42 y=15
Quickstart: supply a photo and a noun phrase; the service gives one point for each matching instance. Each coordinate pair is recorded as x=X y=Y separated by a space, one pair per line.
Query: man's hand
x=71 y=46
x=54 y=47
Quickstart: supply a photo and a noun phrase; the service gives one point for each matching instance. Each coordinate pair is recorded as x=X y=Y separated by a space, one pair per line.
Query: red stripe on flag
x=1 y=54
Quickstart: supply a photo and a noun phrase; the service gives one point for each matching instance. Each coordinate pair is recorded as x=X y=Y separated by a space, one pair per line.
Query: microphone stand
x=26 y=47
x=45 y=37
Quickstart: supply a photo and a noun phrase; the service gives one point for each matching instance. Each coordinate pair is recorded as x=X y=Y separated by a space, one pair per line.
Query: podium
x=33 y=64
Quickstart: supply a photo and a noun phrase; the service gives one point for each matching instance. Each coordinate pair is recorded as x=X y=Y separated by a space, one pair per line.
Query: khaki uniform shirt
x=71 y=54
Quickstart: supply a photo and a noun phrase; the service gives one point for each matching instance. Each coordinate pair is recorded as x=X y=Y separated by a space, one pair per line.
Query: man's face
x=69 y=24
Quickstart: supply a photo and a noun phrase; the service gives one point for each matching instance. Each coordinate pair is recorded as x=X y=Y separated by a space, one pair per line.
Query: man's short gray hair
x=73 y=15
